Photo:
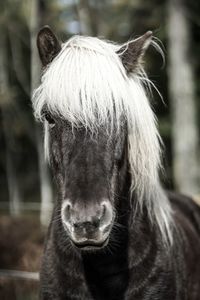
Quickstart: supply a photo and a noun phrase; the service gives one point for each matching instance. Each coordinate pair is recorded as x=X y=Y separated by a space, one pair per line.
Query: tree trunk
x=45 y=182
x=13 y=186
x=182 y=94
x=88 y=18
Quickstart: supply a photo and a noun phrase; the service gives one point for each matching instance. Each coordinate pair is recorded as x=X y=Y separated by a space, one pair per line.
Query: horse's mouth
x=90 y=245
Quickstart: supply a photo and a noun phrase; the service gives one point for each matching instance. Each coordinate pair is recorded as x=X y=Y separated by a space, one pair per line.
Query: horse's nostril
x=106 y=215
x=96 y=222
x=77 y=225
x=66 y=211
x=103 y=211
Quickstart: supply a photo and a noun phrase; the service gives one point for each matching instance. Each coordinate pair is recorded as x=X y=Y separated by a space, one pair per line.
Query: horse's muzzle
x=88 y=226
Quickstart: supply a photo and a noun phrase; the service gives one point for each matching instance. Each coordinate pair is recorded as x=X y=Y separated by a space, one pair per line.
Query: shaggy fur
x=102 y=143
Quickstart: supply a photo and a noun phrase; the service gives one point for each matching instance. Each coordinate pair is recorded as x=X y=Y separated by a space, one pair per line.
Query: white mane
x=87 y=83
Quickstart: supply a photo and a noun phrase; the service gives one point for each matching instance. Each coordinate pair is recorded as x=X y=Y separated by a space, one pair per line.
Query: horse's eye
x=49 y=119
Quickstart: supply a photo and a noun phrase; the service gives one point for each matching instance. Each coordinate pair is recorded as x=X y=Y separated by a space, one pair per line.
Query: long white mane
x=87 y=83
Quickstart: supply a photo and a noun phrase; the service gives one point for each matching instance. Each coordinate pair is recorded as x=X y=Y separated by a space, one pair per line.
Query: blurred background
x=26 y=188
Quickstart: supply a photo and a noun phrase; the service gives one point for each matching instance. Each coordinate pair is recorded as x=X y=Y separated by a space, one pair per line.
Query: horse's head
x=86 y=167
x=86 y=129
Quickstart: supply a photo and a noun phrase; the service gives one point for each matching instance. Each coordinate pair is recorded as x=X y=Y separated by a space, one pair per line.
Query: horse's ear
x=48 y=45
x=132 y=52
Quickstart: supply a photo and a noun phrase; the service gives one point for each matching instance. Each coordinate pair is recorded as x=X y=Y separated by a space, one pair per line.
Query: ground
x=21 y=244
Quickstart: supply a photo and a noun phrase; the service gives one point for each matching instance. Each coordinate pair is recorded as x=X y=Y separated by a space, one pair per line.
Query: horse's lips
x=90 y=245
x=87 y=244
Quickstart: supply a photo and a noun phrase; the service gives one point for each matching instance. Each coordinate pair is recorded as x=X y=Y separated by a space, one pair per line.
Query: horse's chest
x=108 y=280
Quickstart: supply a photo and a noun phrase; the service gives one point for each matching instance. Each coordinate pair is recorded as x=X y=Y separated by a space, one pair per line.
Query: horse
x=115 y=233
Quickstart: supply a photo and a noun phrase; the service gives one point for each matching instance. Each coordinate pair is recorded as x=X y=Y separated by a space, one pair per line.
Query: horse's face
x=86 y=168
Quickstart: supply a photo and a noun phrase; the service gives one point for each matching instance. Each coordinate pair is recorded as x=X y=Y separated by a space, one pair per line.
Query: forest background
x=26 y=187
